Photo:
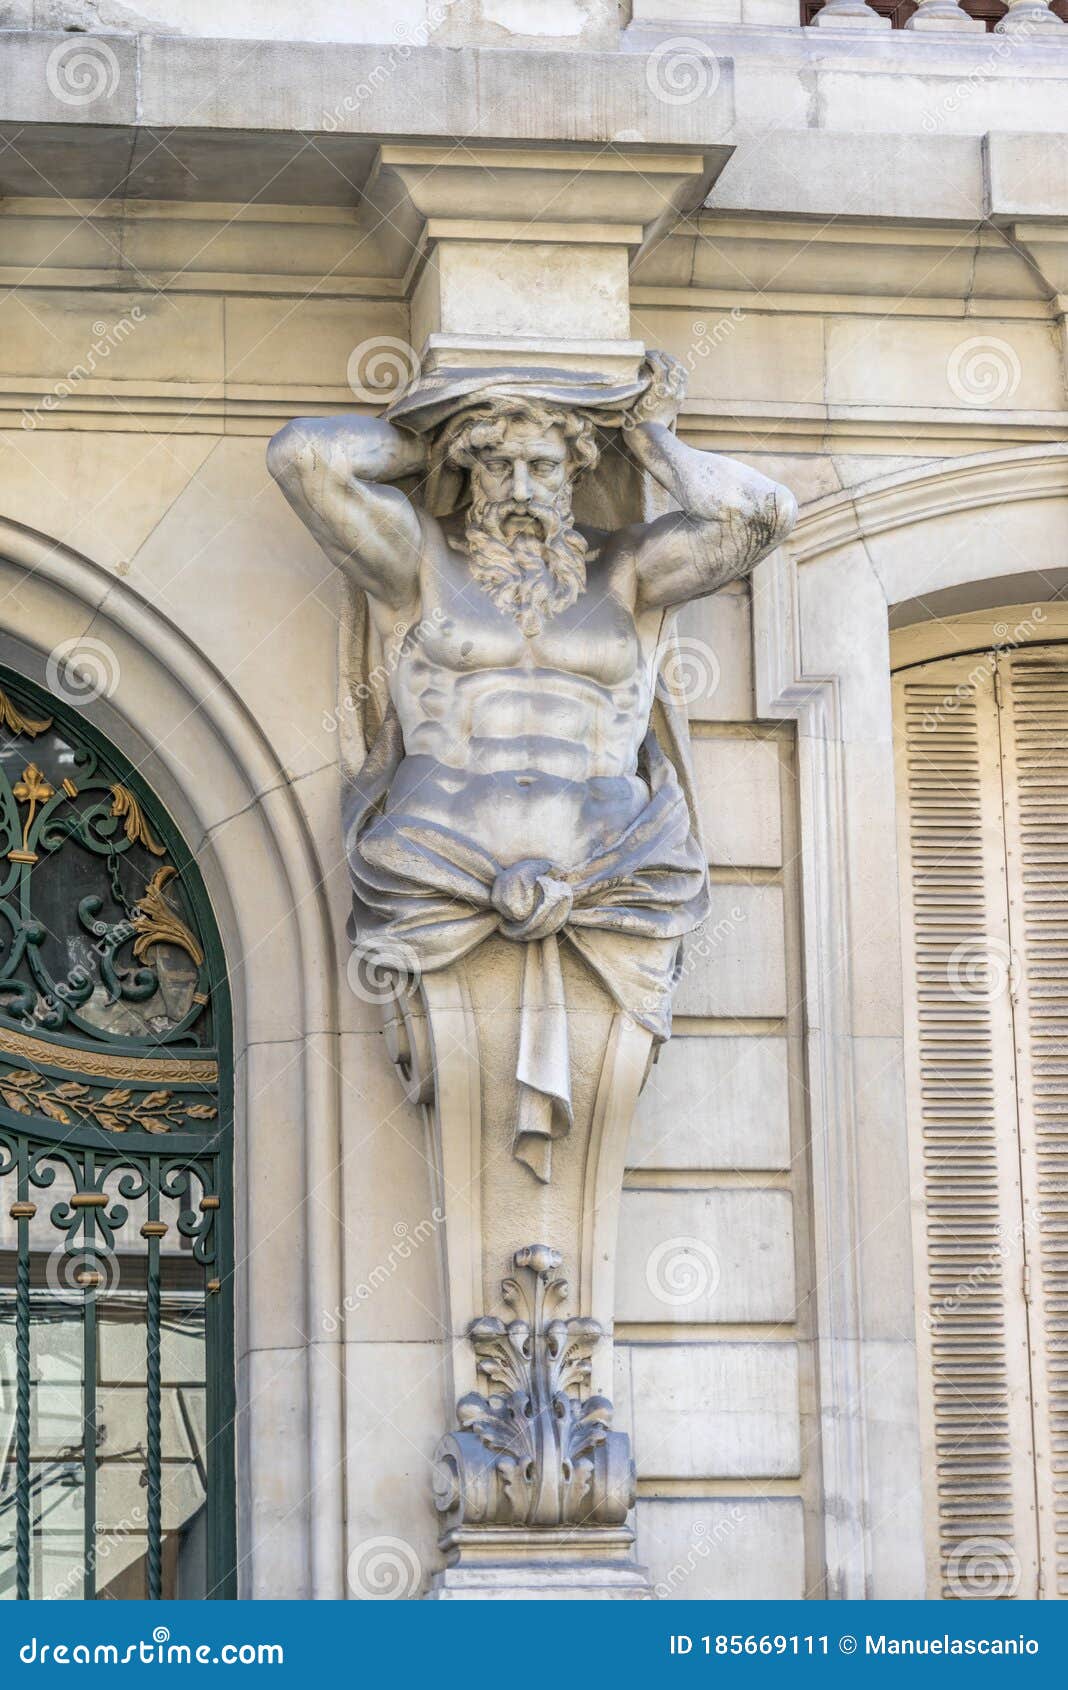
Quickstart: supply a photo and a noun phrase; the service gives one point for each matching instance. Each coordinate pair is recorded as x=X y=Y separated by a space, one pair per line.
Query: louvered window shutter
x=979 y=1457
x=1034 y=739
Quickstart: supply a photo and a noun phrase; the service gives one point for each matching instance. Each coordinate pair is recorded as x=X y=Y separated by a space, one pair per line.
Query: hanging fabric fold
x=426 y=895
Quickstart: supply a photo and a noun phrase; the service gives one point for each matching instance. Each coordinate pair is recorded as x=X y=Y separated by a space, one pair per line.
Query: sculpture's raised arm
x=335 y=472
x=730 y=516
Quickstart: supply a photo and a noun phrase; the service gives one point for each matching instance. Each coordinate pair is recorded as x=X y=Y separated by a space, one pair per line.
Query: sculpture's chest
x=463 y=630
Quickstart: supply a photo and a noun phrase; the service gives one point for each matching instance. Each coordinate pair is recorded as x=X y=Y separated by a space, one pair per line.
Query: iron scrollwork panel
x=115 y=1233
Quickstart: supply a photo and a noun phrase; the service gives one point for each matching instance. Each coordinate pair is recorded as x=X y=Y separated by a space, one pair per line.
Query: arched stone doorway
x=174 y=716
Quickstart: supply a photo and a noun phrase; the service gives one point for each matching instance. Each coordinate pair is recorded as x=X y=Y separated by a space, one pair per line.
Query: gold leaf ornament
x=18 y=722
x=155 y=923
x=117 y=1111
x=32 y=789
x=135 y=827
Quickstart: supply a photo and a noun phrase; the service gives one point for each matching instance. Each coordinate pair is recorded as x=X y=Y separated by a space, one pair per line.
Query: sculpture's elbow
x=759 y=523
x=289 y=449
x=784 y=515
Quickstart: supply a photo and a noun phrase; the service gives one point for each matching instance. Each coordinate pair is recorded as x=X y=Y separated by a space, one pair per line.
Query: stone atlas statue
x=520 y=813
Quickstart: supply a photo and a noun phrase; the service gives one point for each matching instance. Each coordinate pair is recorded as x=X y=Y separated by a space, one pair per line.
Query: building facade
x=830 y=1275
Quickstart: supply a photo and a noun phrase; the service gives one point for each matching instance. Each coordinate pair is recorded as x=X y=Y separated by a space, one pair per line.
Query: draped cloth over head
x=426 y=895
x=435 y=398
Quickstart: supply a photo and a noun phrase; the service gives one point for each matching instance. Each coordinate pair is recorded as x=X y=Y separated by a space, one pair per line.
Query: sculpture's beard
x=530 y=558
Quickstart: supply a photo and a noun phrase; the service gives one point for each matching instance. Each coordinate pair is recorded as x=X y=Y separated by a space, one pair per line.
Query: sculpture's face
x=523 y=547
x=528 y=470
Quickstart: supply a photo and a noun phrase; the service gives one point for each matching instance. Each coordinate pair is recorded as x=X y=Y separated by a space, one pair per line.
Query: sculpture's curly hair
x=484 y=426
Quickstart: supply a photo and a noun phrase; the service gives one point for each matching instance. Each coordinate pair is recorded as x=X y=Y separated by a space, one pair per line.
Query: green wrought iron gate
x=116 y=1349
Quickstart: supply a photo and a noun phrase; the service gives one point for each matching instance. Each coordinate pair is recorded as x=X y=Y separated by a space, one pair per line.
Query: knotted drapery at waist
x=433 y=893
x=531 y=902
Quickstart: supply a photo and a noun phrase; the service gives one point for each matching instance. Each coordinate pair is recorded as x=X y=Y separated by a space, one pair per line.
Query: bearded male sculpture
x=516 y=786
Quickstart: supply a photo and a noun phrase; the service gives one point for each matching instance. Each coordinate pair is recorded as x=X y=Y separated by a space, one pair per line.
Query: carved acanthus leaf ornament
x=533 y=1452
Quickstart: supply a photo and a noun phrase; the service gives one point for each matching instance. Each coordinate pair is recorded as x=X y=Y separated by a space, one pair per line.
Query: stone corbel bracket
x=432 y=1036
x=534 y=1487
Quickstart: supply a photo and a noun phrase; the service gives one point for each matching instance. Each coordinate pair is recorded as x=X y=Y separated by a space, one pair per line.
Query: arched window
x=116 y=1349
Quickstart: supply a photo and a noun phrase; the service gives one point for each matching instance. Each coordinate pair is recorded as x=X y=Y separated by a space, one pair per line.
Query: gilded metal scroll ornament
x=63 y=958
x=19 y=721
x=125 y=806
x=155 y=923
x=534 y=1453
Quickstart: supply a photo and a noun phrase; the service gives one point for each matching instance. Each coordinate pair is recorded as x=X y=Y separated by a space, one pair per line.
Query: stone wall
x=714 y=1275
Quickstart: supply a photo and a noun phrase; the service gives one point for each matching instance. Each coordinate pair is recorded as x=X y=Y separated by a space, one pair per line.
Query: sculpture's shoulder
x=612 y=558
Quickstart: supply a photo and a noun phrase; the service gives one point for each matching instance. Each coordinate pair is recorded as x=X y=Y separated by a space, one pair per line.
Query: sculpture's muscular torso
x=520 y=648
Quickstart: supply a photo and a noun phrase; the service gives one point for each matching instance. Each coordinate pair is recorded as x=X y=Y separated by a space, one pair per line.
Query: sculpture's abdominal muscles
x=538 y=763
x=532 y=742
x=537 y=719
